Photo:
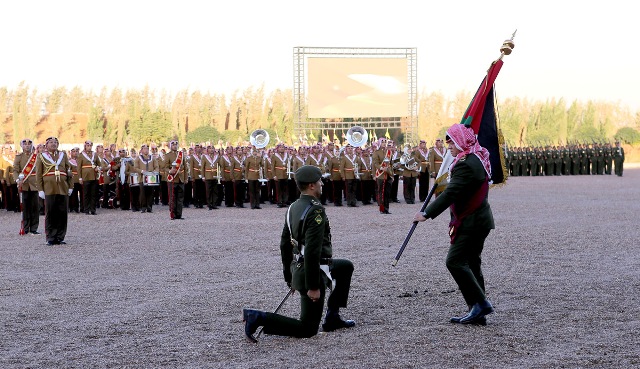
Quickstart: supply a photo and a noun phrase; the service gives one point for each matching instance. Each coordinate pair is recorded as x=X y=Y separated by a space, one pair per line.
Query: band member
x=24 y=174
x=188 y=186
x=397 y=171
x=13 y=199
x=348 y=164
x=164 y=189
x=279 y=164
x=383 y=174
x=237 y=171
x=271 y=185
x=253 y=170
x=75 y=199
x=197 y=178
x=145 y=164
x=174 y=164
x=308 y=267
x=422 y=156
x=108 y=183
x=54 y=180
x=366 y=177
x=89 y=166
x=317 y=159
x=122 y=169
x=333 y=167
x=226 y=165
x=327 y=183
x=410 y=171
x=209 y=169
x=436 y=155
x=471 y=219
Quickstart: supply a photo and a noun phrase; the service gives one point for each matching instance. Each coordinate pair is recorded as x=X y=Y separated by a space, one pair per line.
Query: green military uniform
x=466 y=193
x=303 y=266
x=54 y=179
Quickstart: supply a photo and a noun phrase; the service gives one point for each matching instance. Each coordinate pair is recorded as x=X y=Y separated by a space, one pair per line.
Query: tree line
x=129 y=117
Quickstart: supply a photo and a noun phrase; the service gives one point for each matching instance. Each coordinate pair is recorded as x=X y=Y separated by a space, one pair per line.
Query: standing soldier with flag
x=471 y=219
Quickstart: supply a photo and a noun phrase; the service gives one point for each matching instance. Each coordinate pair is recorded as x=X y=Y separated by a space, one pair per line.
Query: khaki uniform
x=347 y=172
x=176 y=186
x=279 y=166
x=29 y=189
x=252 y=167
x=209 y=170
x=54 y=177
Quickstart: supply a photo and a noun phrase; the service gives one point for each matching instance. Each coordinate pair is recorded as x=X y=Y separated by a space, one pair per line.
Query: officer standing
x=308 y=267
x=471 y=219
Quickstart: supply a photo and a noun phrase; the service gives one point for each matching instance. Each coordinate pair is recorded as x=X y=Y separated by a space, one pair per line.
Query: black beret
x=308 y=174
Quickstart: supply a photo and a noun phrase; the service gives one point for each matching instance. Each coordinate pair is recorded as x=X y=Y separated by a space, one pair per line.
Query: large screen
x=357 y=87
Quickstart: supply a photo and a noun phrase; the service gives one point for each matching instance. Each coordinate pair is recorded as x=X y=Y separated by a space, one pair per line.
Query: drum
x=134 y=180
x=151 y=179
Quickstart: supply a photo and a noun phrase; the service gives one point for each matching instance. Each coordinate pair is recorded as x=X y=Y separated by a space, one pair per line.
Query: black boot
x=252 y=320
x=333 y=321
x=476 y=315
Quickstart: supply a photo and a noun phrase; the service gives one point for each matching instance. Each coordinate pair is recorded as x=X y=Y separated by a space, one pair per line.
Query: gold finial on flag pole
x=507 y=46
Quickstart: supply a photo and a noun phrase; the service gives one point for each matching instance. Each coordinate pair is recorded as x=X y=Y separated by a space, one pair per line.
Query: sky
x=564 y=49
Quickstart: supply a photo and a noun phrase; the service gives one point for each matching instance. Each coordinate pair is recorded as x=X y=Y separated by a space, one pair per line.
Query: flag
x=312 y=137
x=481 y=116
x=387 y=135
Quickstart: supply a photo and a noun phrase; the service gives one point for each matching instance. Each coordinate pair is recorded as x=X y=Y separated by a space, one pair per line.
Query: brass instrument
x=407 y=160
x=259 y=138
x=357 y=136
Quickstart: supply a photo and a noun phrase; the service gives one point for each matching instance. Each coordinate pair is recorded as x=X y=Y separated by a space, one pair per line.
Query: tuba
x=357 y=136
x=407 y=160
x=259 y=138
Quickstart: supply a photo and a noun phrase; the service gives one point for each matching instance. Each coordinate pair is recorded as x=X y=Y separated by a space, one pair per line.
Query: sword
x=415 y=223
x=291 y=291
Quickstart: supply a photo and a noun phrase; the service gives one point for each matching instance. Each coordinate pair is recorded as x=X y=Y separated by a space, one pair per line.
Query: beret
x=308 y=174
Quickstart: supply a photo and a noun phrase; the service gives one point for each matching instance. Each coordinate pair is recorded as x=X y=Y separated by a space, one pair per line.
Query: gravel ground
x=562 y=270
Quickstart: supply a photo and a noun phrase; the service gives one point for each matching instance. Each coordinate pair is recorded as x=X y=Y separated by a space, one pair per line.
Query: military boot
x=252 y=320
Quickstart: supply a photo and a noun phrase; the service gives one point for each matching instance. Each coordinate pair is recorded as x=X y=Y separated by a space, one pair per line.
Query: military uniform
x=337 y=183
x=252 y=166
x=75 y=199
x=471 y=222
x=237 y=171
x=88 y=164
x=209 y=170
x=618 y=159
x=54 y=178
x=347 y=167
x=318 y=161
x=25 y=169
x=366 y=179
x=226 y=167
x=409 y=177
x=279 y=170
x=197 y=179
x=307 y=223
x=143 y=165
x=176 y=185
x=423 y=158
x=383 y=181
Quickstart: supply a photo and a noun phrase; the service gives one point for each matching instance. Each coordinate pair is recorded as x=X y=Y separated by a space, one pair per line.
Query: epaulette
x=315 y=202
x=463 y=158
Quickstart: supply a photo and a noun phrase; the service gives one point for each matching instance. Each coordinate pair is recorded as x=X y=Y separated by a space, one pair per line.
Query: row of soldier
x=108 y=177
x=565 y=160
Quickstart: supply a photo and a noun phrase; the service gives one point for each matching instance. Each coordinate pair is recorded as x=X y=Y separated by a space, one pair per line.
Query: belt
x=424 y=161
x=438 y=161
x=87 y=166
x=227 y=171
x=323 y=261
x=335 y=170
x=283 y=168
x=351 y=169
x=237 y=170
x=254 y=170
x=75 y=173
x=209 y=170
x=53 y=174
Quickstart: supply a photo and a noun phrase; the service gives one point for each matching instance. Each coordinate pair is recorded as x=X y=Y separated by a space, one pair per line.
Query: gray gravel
x=562 y=270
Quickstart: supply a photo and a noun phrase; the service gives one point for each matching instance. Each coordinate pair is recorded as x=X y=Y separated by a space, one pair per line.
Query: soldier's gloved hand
x=41 y=194
x=70 y=191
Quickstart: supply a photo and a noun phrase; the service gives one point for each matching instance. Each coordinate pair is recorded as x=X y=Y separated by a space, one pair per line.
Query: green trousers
x=311 y=312
x=464 y=264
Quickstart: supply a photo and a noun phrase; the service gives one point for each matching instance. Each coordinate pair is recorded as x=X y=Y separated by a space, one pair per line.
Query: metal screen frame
x=302 y=123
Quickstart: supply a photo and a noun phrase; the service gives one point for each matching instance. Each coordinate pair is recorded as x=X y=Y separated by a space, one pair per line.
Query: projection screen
x=357 y=87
